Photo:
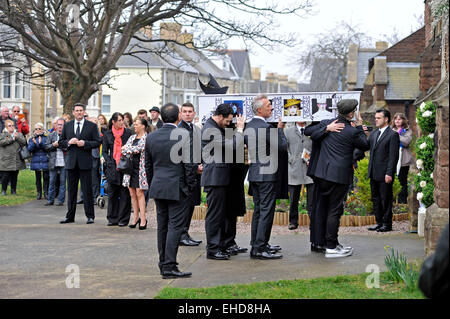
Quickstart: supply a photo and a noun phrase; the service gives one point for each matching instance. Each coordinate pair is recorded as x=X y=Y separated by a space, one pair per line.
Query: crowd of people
x=320 y=158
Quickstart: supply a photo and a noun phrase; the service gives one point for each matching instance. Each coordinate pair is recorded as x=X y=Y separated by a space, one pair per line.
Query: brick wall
x=430 y=67
x=408 y=49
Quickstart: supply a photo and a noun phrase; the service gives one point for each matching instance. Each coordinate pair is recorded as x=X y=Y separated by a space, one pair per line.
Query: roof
x=403 y=81
x=324 y=75
x=239 y=58
x=363 y=66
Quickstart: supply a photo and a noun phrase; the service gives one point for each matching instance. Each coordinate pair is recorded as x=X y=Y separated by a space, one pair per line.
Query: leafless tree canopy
x=78 y=42
x=330 y=47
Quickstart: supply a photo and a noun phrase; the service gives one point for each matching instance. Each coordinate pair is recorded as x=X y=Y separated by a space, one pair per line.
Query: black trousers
x=294 y=196
x=228 y=231
x=216 y=199
x=73 y=177
x=9 y=177
x=403 y=179
x=264 y=198
x=316 y=221
x=45 y=175
x=329 y=209
x=187 y=223
x=119 y=204
x=170 y=216
x=382 y=202
x=95 y=172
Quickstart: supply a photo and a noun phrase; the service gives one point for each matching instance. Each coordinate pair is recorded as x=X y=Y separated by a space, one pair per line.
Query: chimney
x=352 y=66
x=256 y=74
x=169 y=31
x=381 y=45
x=147 y=31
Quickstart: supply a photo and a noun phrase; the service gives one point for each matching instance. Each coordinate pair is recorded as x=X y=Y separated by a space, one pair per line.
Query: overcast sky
x=375 y=18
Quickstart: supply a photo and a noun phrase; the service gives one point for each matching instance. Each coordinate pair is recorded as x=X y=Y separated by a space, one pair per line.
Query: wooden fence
x=282 y=219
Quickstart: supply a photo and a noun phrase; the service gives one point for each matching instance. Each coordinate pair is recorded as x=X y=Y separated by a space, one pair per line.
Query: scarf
x=117 y=150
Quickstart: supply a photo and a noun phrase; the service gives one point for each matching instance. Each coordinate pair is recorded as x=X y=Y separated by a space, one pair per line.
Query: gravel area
x=198 y=226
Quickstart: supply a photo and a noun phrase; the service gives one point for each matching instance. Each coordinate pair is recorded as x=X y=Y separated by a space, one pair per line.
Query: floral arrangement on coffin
x=426 y=119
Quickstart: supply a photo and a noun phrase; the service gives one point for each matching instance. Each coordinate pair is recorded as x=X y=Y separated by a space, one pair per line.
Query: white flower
x=423 y=145
x=423 y=184
x=419 y=196
x=418 y=174
x=419 y=163
x=422 y=106
x=426 y=114
x=431 y=135
x=431 y=175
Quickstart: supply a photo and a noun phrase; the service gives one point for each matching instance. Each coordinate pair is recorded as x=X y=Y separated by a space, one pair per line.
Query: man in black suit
x=171 y=182
x=187 y=117
x=79 y=137
x=216 y=176
x=334 y=172
x=384 y=152
x=262 y=175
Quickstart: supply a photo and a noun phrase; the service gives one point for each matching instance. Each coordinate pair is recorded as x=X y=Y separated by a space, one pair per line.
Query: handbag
x=125 y=164
x=24 y=153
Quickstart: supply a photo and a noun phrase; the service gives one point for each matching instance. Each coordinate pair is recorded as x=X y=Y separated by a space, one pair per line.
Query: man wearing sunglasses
x=22 y=124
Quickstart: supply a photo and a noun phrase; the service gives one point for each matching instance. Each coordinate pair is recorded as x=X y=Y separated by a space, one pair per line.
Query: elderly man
x=56 y=165
x=298 y=142
x=5 y=116
x=22 y=124
x=262 y=175
x=334 y=171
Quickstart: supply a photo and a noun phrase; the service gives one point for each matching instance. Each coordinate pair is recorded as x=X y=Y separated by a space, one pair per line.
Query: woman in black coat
x=119 y=201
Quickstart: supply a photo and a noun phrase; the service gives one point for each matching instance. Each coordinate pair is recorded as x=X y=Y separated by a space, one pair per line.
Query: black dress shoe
x=38 y=196
x=80 y=201
x=90 y=221
x=175 y=273
x=194 y=240
x=67 y=221
x=273 y=247
x=122 y=225
x=218 y=256
x=374 y=228
x=317 y=248
x=384 y=229
x=266 y=255
x=111 y=224
x=237 y=249
x=13 y=192
x=187 y=242
x=48 y=204
x=292 y=227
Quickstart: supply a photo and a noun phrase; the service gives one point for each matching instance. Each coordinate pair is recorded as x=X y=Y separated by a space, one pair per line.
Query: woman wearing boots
x=39 y=159
x=10 y=162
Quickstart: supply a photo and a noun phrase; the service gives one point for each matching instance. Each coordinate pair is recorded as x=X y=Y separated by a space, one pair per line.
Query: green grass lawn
x=26 y=190
x=339 y=287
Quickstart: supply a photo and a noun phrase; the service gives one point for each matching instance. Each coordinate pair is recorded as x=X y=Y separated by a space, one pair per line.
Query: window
x=25 y=88
x=106 y=103
x=6 y=84
x=18 y=87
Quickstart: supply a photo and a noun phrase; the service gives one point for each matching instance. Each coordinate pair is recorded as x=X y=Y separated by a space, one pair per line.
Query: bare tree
x=328 y=53
x=78 y=42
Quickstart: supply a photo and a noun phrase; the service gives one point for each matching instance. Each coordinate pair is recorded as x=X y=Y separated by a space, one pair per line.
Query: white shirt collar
x=259 y=117
x=383 y=129
x=81 y=124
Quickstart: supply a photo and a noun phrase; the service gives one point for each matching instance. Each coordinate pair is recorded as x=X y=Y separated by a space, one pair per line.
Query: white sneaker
x=337 y=252
x=342 y=247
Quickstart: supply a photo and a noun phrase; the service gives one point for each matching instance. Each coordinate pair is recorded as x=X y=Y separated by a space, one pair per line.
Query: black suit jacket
x=255 y=171
x=335 y=160
x=196 y=196
x=217 y=173
x=383 y=154
x=166 y=178
x=81 y=155
x=111 y=173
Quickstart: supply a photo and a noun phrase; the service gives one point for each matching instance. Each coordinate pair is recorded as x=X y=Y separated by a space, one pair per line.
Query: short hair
x=403 y=117
x=39 y=124
x=169 y=113
x=188 y=104
x=14 y=107
x=224 y=109
x=258 y=102
x=9 y=121
x=79 y=104
x=386 y=113
x=142 y=111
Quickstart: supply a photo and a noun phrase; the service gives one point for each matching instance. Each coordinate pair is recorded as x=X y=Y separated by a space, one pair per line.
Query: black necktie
x=77 y=133
x=378 y=136
x=302 y=131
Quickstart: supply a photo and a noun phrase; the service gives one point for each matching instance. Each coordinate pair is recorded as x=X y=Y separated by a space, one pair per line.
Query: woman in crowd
x=400 y=125
x=119 y=201
x=127 y=119
x=10 y=162
x=102 y=123
x=39 y=159
x=66 y=117
x=137 y=180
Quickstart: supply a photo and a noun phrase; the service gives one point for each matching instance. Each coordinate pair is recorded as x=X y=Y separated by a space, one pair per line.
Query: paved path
x=122 y=262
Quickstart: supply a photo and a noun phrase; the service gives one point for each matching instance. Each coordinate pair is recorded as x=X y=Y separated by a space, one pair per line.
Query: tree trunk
x=74 y=90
